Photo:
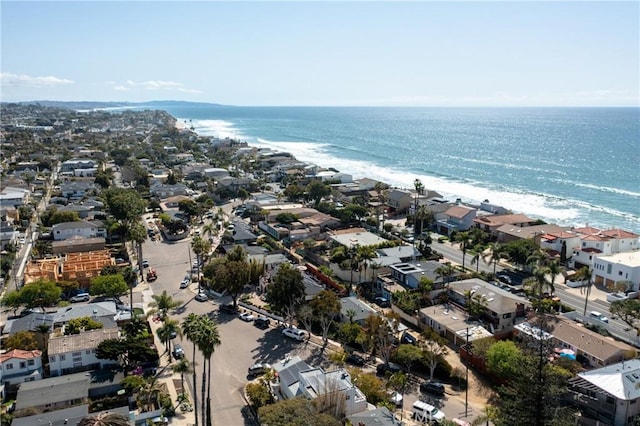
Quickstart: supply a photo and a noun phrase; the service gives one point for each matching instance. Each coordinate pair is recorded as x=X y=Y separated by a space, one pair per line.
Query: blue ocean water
x=571 y=166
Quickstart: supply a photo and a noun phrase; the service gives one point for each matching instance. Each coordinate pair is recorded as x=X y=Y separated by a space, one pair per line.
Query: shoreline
x=550 y=209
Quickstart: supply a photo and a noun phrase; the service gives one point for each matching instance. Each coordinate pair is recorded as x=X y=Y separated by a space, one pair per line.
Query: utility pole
x=466 y=378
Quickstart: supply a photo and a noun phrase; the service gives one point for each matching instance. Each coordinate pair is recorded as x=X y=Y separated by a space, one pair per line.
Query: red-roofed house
x=456 y=218
x=595 y=242
x=553 y=241
x=20 y=366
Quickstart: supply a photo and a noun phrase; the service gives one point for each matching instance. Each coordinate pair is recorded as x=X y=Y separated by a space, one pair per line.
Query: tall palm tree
x=162 y=304
x=475 y=259
x=169 y=328
x=183 y=366
x=130 y=278
x=465 y=241
x=538 y=283
x=208 y=340
x=365 y=254
x=201 y=248
x=382 y=199
x=554 y=269
x=418 y=186
x=191 y=329
x=584 y=274
x=494 y=255
x=445 y=271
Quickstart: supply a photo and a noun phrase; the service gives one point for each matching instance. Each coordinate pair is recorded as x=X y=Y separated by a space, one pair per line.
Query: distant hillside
x=99 y=104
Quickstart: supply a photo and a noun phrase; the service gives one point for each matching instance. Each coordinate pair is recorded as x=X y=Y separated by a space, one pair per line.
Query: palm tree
x=130 y=278
x=169 y=328
x=105 y=419
x=465 y=240
x=382 y=199
x=538 y=283
x=554 y=269
x=209 y=230
x=206 y=337
x=201 y=248
x=137 y=234
x=418 y=186
x=182 y=366
x=445 y=271
x=494 y=255
x=584 y=274
x=475 y=259
x=162 y=304
x=365 y=254
x=191 y=329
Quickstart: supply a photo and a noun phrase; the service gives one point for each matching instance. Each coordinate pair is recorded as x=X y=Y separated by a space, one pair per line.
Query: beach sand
x=180 y=124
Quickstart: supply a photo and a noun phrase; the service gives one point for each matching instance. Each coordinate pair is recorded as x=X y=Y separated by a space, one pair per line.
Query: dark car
x=229 y=308
x=355 y=359
x=258 y=369
x=383 y=302
x=178 y=352
x=261 y=322
x=434 y=388
x=408 y=339
x=387 y=369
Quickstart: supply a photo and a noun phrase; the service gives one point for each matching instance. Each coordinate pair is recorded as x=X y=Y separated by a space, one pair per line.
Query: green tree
x=286 y=293
x=434 y=349
x=25 y=340
x=105 y=419
x=295 y=412
x=317 y=190
x=131 y=279
x=503 y=358
x=584 y=274
x=162 y=304
x=628 y=310
x=408 y=355
x=108 y=285
x=169 y=327
x=12 y=300
x=465 y=243
x=39 y=294
x=76 y=325
x=182 y=367
x=326 y=307
x=259 y=395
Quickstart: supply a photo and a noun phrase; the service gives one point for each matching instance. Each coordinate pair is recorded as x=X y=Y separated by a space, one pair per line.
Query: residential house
x=52 y=394
x=409 y=274
x=66 y=416
x=607 y=396
x=77 y=244
x=508 y=233
x=19 y=366
x=360 y=310
x=67 y=230
x=596 y=242
x=620 y=271
x=83 y=211
x=77 y=352
x=555 y=243
x=12 y=196
x=456 y=218
x=381 y=416
x=77 y=190
x=450 y=321
x=8 y=234
x=162 y=190
x=589 y=346
x=399 y=200
x=78 y=164
x=491 y=223
x=332 y=390
x=502 y=308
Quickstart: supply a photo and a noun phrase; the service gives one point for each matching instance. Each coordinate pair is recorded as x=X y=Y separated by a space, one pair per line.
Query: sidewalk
x=165 y=375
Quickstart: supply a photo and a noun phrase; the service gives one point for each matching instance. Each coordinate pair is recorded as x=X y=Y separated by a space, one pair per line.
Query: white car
x=294 y=333
x=184 y=283
x=598 y=316
x=246 y=316
x=201 y=297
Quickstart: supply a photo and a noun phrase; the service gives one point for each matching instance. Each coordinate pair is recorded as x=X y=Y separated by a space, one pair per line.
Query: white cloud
x=155 y=85
x=22 y=80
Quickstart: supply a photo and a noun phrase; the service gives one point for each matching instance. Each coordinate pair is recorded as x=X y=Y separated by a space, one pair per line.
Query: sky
x=382 y=53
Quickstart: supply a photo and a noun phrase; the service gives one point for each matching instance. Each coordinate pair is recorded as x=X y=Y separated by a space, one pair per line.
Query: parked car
x=229 y=308
x=185 y=282
x=262 y=322
x=202 y=297
x=295 y=333
x=387 y=369
x=355 y=359
x=598 y=316
x=145 y=263
x=434 y=388
x=80 y=297
x=383 y=302
x=258 y=369
x=395 y=398
x=246 y=316
x=408 y=339
x=178 y=352
x=423 y=412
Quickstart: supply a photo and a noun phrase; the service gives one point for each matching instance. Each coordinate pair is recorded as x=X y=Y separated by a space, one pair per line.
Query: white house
x=618 y=269
x=77 y=352
x=331 y=389
x=78 y=163
x=596 y=243
x=20 y=366
x=67 y=230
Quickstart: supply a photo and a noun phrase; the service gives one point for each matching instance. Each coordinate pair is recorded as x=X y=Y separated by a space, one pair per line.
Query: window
x=75 y=354
x=87 y=352
x=31 y=362
x=62 y=357
x=508 y=315
x=52 y=358
x=9 y=366
x=609 y=268
x=23 y=365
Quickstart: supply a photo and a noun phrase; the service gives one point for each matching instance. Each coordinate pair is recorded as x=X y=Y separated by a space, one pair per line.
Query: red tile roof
x=619 y=233
x=19 y=353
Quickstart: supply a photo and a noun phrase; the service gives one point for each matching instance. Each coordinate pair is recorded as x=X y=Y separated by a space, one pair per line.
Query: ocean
x=570 y=166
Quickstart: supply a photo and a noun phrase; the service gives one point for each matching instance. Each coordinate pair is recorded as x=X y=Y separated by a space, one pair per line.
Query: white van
x=598 y=316
x=295 y=333
x=425 y=413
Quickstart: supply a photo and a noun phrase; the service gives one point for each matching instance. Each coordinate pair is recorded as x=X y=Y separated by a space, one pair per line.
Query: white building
x=20 y=366
x=332 y=390
x=618 y=269
x=597 y=243
x=77 y=352
x=67 y=230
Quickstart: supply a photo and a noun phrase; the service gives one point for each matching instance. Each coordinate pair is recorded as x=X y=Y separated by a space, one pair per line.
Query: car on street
x=504 y=278
x=258 y=369
x=246 y=316
x=434 y=388
x=295 y=333
x=387 y=369
x=598 y=316
x=395 y=398
x=80 y=297
x=145 y=263
x=185 y=282
x=262 y=322
x=355 y=359
x=173 y=334
x=22 y=240
x=408 y=339
x=177 y=352
x=229 y=308
x=202 y=297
